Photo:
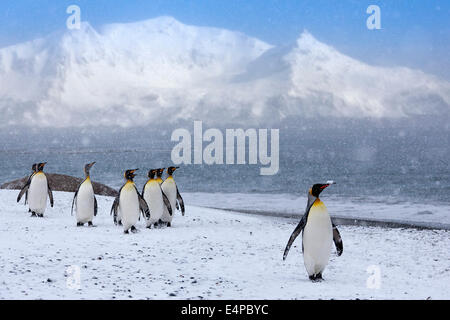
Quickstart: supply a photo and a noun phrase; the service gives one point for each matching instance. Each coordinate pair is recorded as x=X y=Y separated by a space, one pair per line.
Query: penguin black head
x=87 y=168
x=159 y=172
x=171 y=170
x=41 y=166
x=319 y=187
x=129 y=174
x=152 y=173
x=34 y=167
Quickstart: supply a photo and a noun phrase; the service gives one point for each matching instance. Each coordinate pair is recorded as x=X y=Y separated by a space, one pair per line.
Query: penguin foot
x=126 y=232
x=90 y=224
x=33 y=214
x=169 y=224
x=40 y=215
x=80 y=224
x=316 y=277
x=155 y=225
x=133 y=229
x=120 y=222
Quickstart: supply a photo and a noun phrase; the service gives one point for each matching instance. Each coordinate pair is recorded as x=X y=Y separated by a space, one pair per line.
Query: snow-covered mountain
x=135 y=73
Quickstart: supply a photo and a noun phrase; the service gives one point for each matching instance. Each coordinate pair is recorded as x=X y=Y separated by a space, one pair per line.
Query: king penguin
x=318 y=234
x=155 y=198
x=159 y=173
x=169 y=187
x=85 y=200
x=129 y=203
x=37 y=189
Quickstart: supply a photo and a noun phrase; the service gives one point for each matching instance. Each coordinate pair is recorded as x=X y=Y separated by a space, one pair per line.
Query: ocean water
x=398 y=160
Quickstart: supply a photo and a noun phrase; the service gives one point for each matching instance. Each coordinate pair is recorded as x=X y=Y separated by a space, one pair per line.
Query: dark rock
x=61 y=182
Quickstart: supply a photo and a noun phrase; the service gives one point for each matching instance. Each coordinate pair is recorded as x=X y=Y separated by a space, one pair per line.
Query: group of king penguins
x=158 y=199
x=156 y=202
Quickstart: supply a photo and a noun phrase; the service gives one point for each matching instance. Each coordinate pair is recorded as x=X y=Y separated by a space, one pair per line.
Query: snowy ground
x=209 y=254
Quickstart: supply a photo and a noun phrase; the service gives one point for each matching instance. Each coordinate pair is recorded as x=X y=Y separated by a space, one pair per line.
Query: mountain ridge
x=160 y=69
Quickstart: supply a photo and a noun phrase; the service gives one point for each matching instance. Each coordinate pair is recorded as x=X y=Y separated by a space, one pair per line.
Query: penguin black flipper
x=180 y=200
x=73 y=201
x=337 y=240
x=167 y=202
x=95 y=206
x=50 y=193
x=298 y=229
x=24 y=190
x=114 y=208
x=143 y=205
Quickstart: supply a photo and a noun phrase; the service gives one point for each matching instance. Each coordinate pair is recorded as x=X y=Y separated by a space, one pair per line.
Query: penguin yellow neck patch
x=318 y=204
x=129 y=184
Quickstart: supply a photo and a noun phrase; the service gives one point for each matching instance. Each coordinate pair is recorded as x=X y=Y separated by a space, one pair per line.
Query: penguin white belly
x=317 y=239
x=129 y=206
x=153 y=197
x=170 y=190
x=37 y=193
x=85 y=202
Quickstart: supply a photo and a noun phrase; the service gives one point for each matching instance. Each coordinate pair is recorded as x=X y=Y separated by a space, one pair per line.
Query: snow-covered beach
x=208 y=254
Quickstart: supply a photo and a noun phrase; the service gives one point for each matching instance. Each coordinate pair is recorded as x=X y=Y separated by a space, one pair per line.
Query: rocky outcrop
x=61 y=182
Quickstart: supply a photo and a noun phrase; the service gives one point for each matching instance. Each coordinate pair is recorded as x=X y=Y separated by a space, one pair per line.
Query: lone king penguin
x=318 y=234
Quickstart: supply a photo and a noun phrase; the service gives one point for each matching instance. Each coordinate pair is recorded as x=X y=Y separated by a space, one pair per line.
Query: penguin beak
x=326 y=185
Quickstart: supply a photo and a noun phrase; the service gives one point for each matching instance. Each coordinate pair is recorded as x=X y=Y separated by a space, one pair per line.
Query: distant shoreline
x=352 y=221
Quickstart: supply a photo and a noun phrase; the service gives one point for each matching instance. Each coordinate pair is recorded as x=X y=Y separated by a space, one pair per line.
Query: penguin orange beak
x=329 y=183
